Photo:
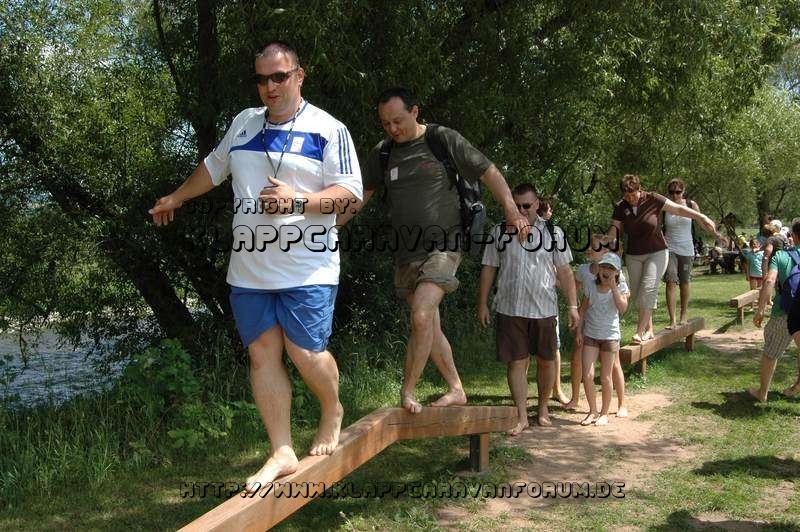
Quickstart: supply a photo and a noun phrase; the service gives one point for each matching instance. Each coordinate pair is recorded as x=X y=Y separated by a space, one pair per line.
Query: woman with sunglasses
x=638 y=215
x=680 y=242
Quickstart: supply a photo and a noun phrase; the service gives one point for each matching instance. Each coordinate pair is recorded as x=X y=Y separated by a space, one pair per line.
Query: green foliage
x=162 y=379
x=105 y=106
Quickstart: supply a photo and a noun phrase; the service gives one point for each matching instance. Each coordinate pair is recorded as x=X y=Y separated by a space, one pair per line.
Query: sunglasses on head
x=525 y=206
x=276 y=77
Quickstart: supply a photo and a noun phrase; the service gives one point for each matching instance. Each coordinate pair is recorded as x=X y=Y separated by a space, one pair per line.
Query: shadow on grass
x=739 y=405
x=755 y=466
x=722 y=329
x=683 y=520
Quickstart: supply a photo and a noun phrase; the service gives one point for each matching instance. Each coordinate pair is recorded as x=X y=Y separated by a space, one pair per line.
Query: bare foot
x=648 y=336
x=453 y=397
x=409 y=403
x=622 y=412
x=518 y=428
x=756 y=393
x=792 y=391
x=602 y=420
x=327 y=437
x=561 y=398
x=572 y=405
x=589 y=419
x=282 y=462
x=670 y=326
x=544 y=418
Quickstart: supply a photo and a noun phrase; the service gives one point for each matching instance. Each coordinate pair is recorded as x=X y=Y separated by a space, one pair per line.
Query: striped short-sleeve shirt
x=526 y=277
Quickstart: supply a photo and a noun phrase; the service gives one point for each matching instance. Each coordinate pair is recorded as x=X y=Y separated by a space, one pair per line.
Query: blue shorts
x=305 y=313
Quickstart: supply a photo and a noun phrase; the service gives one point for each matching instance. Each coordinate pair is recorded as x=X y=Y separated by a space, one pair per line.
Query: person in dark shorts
x=526 y=302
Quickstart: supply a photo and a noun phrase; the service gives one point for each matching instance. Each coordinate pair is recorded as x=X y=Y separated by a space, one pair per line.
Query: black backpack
x=471 y=208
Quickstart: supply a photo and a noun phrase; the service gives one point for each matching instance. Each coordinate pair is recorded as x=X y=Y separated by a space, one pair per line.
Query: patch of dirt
x=732 y=341
x=625 y=450
x=629 y=450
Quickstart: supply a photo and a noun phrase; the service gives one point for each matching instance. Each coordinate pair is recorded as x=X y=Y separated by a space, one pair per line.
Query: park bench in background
x=358 y=443
x=741 y=301
x=631 y=354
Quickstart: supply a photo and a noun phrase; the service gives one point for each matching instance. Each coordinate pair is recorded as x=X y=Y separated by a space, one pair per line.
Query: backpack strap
x=795 y=256
x=437 y=145
x=383 y=154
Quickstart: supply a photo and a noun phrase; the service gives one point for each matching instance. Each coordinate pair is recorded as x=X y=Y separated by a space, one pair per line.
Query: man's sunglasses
x=275 y=77
x=673 y=192
x=525 y=206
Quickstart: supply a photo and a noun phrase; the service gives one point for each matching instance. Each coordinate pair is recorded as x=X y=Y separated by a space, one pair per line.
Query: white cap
x=612 y=259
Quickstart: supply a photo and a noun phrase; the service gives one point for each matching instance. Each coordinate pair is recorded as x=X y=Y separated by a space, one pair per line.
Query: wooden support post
x=357 y=444
x=479 y=452
x=631 y=354
x=741 y=301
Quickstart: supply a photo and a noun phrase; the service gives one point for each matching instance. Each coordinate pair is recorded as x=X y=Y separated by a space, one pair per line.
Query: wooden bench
x=631 y=354
x=358 y=443
x=741 y=301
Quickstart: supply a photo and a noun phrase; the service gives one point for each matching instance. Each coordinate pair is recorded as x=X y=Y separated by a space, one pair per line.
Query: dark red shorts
x=518 y=338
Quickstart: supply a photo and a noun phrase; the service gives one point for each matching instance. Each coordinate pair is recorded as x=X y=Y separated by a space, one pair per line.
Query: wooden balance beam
x=358 y=443
x=741 y=301
x=630 y=354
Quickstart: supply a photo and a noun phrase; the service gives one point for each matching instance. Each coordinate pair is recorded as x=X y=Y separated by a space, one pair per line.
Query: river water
x=53 y=374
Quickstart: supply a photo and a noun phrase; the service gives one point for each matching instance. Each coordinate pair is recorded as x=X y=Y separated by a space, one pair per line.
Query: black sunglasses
x=676 y=191
x=276 y=77
x=525 y=206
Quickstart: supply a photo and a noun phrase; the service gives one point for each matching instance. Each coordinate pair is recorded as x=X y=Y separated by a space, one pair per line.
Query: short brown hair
x=629 y=183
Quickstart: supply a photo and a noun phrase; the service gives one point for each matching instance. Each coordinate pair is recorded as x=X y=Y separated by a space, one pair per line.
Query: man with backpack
x=416 y=166
x=784 y=267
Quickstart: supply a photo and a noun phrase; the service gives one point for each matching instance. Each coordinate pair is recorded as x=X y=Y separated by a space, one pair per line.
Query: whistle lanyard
x=264 y=130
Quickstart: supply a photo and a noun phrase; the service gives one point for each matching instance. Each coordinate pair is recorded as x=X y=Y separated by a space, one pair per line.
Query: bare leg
x=644 y=327
x=558 y=395
x=575 y=374
x=765 y=378
x=545 y=377
x=589 y=357
x=606 y=369
x=517 y=375
x=320 y=373
x=442 y=356
x=671 y=303
x=272 y=392
x=424 y=305
x=619 y=384
x=685 y=293
x=794 y=389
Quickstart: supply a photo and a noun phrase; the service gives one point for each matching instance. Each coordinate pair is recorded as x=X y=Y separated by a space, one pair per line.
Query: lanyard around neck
x=264 y=130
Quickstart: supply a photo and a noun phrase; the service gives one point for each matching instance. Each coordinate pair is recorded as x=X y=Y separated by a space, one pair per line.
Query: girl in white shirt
x=603 y=302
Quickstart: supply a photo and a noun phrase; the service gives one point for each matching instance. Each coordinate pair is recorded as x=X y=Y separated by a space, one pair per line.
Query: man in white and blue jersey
x=289 y=161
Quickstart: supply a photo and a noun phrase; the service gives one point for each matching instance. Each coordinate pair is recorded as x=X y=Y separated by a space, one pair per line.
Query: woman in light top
x=680 y=242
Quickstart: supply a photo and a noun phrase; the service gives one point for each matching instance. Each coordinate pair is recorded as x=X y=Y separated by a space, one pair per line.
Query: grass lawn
x=743 y=470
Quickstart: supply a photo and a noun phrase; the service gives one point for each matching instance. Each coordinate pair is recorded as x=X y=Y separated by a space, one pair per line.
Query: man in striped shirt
x=526 y=301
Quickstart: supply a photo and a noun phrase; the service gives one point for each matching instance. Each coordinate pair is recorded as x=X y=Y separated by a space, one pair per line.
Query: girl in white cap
x=603 y=302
